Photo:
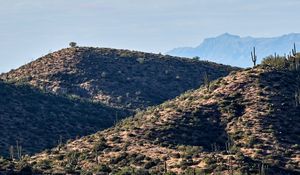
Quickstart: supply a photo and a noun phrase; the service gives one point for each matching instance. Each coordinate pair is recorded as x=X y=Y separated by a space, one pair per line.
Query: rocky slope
x=118 y=82
x=118 y=78
x=245 y=123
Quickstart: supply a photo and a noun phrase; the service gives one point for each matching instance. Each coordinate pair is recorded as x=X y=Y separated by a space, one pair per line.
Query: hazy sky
x=32 y=28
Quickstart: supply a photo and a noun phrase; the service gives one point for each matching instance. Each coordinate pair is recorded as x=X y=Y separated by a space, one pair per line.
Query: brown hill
x=245 y=123
x=118 y=78
x=121 y=80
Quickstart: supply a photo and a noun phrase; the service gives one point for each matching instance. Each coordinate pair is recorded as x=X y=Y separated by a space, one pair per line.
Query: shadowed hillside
x=38 y=120
x=245 y=123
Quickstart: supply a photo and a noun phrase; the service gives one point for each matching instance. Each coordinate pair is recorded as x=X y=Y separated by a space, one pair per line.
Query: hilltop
x=78 y=91
x=247 y=123
x=118 y=78
x=235 y=50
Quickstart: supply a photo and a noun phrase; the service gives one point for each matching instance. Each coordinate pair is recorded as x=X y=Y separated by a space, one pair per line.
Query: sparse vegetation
x=220 y=131
x=276 y=62
x=244 y=123
x=118 y=78
x=78 y=91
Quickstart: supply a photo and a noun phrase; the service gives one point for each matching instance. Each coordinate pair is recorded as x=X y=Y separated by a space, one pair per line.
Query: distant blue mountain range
x=235 y=50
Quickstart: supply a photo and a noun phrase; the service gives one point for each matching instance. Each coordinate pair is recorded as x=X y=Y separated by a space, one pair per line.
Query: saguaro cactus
x=254 y=57
x=60 y=143
x=166 y=167
x=297 y=97
x=19 y=151
x=206 y=81
x=263 y=169
x=11 y=152
x=228 y=145
x=96 y=156
x=294 y=51
x=294 y=58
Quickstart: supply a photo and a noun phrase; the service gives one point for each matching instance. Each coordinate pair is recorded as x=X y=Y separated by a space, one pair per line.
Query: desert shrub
x=141 y=172
x=44 y=165
x=175 y=155
x=24 y=167
x=190 y=151
x=149 y=164
x=251 y=142
x=115 y=139
x=122 y=156
x=140 y=157
x=196 y=58
x=101 y=145
x=72 y=161
x=192 y=171
x=184 y=163
x=276 y=62
x=116 y=149
x=141 y=60
x=59 y=157
x=170 y=173
x=102 y=168
x=211 y=167
x=125 y=171
x=209 y=160
x=4 y=163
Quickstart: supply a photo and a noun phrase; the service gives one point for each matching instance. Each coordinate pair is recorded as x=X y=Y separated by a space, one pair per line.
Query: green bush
x=101 y=145
x=102 y=168
x=149 y=164
x=44 y=165
x=276 y=62
x=125 y=171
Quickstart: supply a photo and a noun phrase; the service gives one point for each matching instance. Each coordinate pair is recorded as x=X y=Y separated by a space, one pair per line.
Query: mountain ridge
x=84 y=71
x=235 y=50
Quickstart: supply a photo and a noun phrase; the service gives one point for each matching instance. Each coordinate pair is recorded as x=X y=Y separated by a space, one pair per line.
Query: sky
x=32 y=28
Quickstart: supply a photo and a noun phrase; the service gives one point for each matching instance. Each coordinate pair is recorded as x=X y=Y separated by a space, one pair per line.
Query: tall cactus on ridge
x=253 y=56
x=294 y=58
x=294 y=51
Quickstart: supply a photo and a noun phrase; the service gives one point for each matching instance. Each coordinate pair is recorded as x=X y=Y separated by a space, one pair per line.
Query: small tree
x=72 y=44
x=253 y=56
x=196 y=58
